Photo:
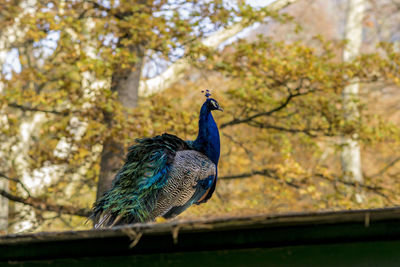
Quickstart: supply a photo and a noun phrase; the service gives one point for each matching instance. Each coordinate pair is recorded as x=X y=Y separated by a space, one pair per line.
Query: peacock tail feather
x=135 y=188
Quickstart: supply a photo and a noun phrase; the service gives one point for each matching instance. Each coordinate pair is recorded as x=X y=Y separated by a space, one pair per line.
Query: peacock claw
x=160 y=220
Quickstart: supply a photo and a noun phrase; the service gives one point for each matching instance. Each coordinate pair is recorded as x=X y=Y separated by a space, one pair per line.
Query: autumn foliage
x=280 y=132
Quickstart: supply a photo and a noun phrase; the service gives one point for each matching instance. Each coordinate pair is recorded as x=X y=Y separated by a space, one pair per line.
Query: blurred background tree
x=82 y=79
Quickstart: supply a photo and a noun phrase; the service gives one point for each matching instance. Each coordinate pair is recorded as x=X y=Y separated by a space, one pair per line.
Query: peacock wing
x=190 y=178
x=133 y=195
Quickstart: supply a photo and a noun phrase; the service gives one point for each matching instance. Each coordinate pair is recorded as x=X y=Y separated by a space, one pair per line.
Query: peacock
x=163 y=175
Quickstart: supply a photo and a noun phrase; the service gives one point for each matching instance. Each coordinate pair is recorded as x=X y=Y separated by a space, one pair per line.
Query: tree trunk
x=126 y=83
x=3 y=208
x=8 y=35
x=3 y=182
x=350 y=155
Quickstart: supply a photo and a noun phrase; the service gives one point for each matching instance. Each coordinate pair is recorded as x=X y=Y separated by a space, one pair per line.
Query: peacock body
x=163 y=175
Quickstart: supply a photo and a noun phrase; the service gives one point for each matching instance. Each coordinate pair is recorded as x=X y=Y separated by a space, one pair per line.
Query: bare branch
x=375 y=189
x=284 y=129
x=26 y=108
x=269 y=112
x=270 y=173
x=43 y=205
x=386 y=168
x=16 y=181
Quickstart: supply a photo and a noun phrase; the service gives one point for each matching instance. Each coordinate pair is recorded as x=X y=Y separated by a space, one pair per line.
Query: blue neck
x=207 y=141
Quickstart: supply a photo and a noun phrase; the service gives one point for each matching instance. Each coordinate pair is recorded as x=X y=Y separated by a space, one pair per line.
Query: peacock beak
x=220 y=109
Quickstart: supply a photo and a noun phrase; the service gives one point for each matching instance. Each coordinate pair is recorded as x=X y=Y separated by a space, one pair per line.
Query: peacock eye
x=214 y=103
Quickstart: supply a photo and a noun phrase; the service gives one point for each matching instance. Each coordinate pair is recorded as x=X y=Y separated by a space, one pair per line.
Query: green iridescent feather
x=133 y=194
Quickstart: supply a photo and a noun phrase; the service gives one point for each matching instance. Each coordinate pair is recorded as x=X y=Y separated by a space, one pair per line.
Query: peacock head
x=211 y=103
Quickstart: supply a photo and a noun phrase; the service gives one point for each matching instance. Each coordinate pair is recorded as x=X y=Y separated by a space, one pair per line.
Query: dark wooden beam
x=328 y=238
